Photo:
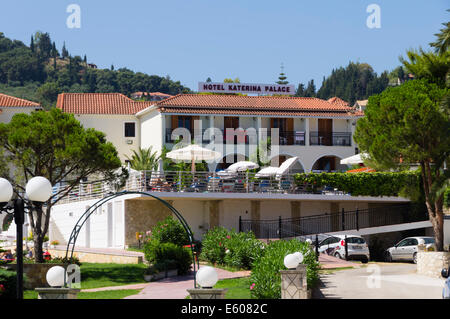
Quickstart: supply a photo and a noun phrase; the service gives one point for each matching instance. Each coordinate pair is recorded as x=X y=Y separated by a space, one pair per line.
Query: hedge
x=266 y=278
x=407 y=184
x=8 y=284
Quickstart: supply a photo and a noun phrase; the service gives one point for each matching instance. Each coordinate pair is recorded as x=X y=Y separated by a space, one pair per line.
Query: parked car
x=335 y=245
x=406 y=249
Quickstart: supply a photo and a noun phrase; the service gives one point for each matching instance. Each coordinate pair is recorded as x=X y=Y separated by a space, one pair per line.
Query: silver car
x=406 y=249
x=357 y=248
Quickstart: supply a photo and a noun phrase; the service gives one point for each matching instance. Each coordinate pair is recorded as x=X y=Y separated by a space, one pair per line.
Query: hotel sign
x=246 y=88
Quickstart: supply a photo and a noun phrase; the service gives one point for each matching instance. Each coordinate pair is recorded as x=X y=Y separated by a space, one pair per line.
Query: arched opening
x=296 y=168
x=329 y=163
x=84 y=220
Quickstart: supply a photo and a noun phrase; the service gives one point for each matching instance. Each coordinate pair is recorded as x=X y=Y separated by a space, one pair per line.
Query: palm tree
x=442 y=42
x=428 y=65
x=144 y=159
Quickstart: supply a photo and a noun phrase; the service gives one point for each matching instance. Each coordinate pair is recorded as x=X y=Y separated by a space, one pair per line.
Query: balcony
x=188 y=182
x=289 y=137
x=330 y=139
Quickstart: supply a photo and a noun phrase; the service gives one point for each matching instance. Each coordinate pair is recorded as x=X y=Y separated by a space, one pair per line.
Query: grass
x=227 y=268
x=107 y=294
x=109 y=275
x=238 y=288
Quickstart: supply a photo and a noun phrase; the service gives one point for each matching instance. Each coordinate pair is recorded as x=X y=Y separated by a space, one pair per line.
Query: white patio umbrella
x=286 y=165
x=193 y=153
x=241 y=166
x=355 y=159
x=267 y=172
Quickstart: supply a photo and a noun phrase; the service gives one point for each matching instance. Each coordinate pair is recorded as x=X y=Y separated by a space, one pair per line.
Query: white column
x=306 y=131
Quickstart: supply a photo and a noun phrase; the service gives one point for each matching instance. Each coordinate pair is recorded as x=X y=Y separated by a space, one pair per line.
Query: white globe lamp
x=38 y=189
x=299 y=256
x=6 y=191
x=55 y=276
x=207 y=277
x=291 y=261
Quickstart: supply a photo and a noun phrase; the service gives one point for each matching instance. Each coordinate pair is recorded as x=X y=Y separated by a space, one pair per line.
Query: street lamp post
x=38 y=190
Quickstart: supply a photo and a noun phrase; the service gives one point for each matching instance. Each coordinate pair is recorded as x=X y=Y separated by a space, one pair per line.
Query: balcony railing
x=289 y=137
x=188 y=182
x=330 y=139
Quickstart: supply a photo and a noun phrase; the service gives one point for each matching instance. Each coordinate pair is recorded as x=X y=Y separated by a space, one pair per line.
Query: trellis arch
x=82 y=220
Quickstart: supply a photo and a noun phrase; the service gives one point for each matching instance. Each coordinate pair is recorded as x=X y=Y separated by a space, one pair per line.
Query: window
x=355 y=240
x=130 y=129
x=428 y=241
x=185 y=121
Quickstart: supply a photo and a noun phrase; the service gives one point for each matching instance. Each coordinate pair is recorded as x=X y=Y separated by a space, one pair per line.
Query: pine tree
x=282 y=78
x=32 y=44
x=310 y=89
x=85 y=59
x=64 y=51
x=300 y=90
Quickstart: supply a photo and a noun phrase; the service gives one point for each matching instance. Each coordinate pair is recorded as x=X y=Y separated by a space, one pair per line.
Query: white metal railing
x=198 y=182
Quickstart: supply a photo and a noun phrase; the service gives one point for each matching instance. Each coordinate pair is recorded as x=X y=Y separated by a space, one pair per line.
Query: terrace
x=194 y=183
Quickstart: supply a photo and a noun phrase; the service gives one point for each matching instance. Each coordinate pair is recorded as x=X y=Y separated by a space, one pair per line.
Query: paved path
x=395 y=281
x=175 y=287
x=329 y=262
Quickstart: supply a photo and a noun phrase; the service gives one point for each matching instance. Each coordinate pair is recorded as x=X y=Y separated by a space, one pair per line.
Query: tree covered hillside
x=357 y=81
x=39 y=72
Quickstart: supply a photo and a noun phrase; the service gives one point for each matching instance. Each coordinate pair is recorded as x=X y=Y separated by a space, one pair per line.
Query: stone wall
x=430 y=263
x=140 y=216
x=103 y=258
x=35 y=274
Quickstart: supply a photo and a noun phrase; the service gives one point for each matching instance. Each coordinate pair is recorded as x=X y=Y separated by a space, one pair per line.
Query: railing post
x=357 y=219
x=240 y=223
x=279 y=227
x=317 y=247
x=346 y=248
x=343 y=219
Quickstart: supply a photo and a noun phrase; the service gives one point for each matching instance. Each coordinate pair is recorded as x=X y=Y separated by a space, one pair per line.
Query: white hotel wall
x=7 y=113
x=95 y=232
x=153 y=130
x=113 y=127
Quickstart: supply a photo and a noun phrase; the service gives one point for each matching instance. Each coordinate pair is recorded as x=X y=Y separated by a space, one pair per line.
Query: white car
x=406 y=249
x=357 y=248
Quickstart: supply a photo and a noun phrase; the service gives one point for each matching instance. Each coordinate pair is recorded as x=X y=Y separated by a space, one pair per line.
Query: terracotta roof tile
x=11 y=101
x=253 y=105
x=337 y=101
x=99 y=103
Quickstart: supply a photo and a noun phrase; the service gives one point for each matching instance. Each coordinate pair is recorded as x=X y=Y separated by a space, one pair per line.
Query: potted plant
x=150 y=273
x=54 y=243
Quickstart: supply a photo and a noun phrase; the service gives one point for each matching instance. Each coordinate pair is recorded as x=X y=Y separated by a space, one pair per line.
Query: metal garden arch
x=82 y=220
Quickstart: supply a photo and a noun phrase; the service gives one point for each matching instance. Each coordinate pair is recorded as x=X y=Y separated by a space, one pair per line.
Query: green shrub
x=164 y=255
x=406 y=183
x=226 y=247
x=266 y=278
x=213 y=248
x=170 y=231
x=8 y=284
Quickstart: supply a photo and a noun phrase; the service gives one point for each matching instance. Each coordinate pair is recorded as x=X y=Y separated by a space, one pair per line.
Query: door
x=325 y=127
x=109 y=241
x=410 y=249
x=398 y=253
x=230 y=123
x=118 y=224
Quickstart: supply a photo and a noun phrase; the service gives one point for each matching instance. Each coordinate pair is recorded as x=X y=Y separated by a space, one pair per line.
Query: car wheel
x=415 y=258
x=337 y=255
x=365 y=260
x=388 y=257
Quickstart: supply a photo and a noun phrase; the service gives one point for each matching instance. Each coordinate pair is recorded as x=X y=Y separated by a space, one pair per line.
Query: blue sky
x=191 y=40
